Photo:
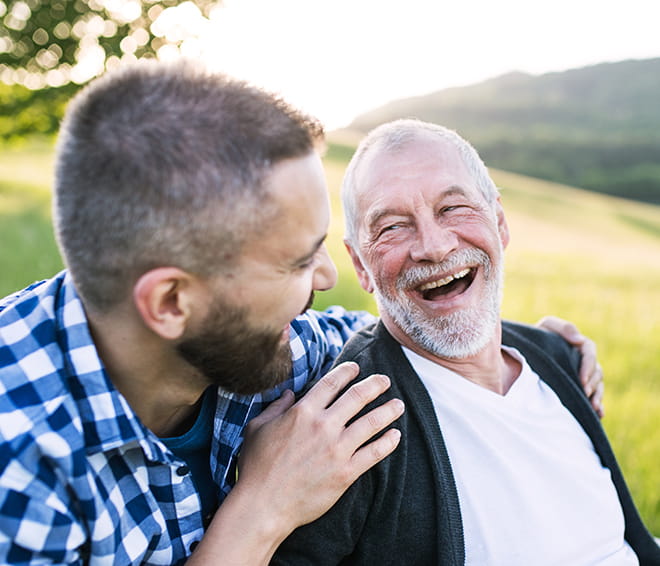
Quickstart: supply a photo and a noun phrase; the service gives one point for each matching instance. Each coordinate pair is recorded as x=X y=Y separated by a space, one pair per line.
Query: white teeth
x=445 y=281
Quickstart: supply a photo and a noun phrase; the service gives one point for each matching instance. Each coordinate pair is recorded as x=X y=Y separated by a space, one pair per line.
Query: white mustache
x=460 y=259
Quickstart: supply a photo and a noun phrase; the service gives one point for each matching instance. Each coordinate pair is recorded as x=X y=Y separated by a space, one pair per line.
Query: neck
x=491 y=368
x=160 y=387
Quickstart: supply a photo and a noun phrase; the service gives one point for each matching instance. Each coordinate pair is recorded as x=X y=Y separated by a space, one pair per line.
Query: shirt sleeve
x=37 y=518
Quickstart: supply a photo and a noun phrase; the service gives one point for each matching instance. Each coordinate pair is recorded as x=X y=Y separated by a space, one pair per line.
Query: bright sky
x=339 y=58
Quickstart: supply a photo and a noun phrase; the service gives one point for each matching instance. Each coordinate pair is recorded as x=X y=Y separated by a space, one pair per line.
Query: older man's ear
x=363 y=275
x=502 y=225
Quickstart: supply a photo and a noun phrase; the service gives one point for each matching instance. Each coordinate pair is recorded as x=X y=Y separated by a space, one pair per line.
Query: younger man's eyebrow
x=310 y=255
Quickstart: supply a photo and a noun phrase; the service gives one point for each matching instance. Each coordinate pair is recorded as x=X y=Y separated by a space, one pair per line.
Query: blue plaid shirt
x=82 y=480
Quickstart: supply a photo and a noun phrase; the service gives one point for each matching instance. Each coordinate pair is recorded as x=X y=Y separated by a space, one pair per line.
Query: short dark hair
x=163 y=165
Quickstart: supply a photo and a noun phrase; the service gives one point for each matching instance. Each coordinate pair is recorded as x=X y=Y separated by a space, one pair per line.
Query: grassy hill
x=587 y=257
x=596 y=127
x=27 y=246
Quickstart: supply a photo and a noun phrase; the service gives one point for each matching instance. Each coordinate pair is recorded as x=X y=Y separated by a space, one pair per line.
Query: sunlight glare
x=339 y=58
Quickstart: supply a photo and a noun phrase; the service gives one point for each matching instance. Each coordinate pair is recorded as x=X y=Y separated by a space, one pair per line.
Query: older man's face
x=430 y=248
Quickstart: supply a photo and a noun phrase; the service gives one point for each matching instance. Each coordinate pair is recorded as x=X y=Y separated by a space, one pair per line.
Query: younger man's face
x=243 y=343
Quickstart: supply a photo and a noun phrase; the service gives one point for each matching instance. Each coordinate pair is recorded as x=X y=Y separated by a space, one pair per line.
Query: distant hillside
x=597 y=127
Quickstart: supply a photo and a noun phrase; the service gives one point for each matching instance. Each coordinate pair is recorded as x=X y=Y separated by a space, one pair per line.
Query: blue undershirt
x=194 y=447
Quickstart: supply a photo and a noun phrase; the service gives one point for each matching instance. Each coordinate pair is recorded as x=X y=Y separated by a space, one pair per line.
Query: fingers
x=367 y=426
x=567 y=330
x=597 y=399
x=590 y=370
x=356 y=436
x=587 y=347
x=336 y=412
x=324 y=393
x=357 y=397
x=328 y=387
x=591 y=376
x=591 y=373
x=375 y=451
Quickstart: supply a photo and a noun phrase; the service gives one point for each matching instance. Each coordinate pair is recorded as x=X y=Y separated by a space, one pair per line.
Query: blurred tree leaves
x=49 y=48
x=25 y=112
x=49 y=43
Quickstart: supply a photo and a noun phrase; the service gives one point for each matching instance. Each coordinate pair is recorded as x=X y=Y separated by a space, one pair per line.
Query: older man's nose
x=433 y=243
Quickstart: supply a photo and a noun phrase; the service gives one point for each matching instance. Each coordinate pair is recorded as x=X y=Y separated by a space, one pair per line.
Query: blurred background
x=560 y=99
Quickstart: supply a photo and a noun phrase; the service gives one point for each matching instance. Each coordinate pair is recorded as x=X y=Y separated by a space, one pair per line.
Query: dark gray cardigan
x=405 y=510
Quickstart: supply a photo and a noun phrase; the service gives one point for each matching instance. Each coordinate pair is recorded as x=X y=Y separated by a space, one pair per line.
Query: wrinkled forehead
x=410 y=162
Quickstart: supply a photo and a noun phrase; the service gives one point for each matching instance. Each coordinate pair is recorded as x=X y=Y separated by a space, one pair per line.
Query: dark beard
x=234 y=356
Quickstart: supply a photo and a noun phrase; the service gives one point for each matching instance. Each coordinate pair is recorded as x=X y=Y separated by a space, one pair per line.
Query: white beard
x=457 y=335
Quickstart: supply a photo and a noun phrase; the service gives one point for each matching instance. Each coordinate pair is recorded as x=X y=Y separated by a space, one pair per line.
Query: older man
x=502 y=460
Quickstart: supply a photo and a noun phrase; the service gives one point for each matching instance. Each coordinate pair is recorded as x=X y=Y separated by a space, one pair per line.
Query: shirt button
x=206 y=520
x=182 y=471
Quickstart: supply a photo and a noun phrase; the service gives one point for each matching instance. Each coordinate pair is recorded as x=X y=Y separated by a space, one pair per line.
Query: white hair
x=395 y=136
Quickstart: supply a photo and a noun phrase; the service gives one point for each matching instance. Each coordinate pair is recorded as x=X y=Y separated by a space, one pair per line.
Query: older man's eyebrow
x=454 y=190
x=375 y=217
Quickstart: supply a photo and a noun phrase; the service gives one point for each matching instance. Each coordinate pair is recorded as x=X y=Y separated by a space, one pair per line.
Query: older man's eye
x=390 y=228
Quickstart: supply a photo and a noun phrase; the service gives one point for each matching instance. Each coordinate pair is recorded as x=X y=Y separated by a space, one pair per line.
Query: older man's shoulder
x=520 y=332
x=537 y=342
x=373 y=336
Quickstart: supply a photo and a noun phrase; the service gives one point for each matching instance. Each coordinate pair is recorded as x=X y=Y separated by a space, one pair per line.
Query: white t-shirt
x=531 y=487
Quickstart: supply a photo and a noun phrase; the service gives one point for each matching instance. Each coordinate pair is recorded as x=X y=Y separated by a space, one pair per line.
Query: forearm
x=244 y=531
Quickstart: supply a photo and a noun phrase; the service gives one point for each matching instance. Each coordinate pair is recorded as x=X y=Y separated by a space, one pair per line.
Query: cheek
x=293 y=297
x=481 y=233
x=387 y=267
x=270 y=301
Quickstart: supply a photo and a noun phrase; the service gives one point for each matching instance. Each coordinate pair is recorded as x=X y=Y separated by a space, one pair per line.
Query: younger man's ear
x=362 y=274
x=164 y=297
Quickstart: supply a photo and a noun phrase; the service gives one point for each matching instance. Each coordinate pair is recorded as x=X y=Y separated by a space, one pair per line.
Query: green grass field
x=585 y=257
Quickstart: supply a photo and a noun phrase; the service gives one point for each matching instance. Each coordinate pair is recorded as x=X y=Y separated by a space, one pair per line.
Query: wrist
x=244 y=530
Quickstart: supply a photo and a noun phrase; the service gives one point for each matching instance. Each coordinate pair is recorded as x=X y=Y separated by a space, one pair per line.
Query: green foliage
x=28 y=251
x=339 y=152
x=42 y=44
x=46 y=39
x=597 y=127
x=25 y=113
